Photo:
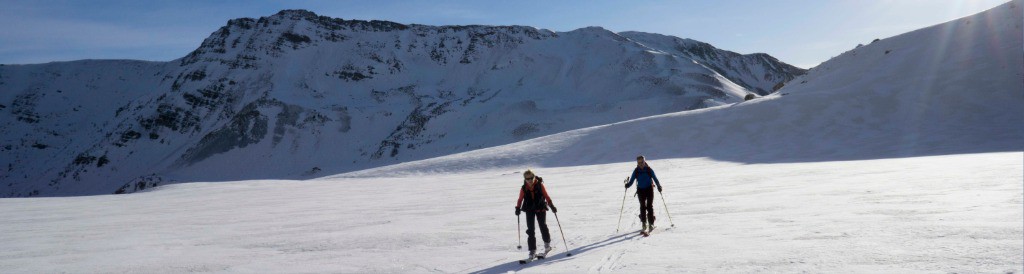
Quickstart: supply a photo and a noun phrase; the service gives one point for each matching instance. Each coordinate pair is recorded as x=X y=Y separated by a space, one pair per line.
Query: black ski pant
x=646 y=196
x=531 y=240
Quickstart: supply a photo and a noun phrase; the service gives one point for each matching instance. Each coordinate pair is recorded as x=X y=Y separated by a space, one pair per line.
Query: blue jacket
x=643 y=178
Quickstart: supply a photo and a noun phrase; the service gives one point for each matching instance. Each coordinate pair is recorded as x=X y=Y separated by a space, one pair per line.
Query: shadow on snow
x=515 y=266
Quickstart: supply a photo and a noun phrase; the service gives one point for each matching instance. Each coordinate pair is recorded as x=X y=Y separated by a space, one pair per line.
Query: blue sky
x=800 y=32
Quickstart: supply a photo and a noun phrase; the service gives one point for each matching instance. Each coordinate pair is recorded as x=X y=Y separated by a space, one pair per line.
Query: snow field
x=952 y=213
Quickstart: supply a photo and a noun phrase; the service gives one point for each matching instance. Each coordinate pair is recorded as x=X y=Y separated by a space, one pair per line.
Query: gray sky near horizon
x=800 y=32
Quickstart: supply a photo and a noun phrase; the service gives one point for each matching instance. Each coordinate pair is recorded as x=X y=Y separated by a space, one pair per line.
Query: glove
x=518 y=211
x=553 y=209
x=626 y=185
x=659 y=188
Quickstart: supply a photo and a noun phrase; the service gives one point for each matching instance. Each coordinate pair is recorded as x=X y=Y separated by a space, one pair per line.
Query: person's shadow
x=515 y=266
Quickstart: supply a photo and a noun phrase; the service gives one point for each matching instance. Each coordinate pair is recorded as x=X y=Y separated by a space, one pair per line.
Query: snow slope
x=758 y=72
x=296 y=95
x=918 y=171
x=948 y=89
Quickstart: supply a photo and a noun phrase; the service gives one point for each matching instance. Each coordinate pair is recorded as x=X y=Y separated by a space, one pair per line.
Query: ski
x=647 y=233
x=538 y=256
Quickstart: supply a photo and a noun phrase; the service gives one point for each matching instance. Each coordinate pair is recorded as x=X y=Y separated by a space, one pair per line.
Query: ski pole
x=623 y=207
x=666 y=209
x=567 y=253
x=519 y=232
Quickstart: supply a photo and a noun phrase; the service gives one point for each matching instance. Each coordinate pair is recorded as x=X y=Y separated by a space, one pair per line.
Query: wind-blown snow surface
x=951 y=213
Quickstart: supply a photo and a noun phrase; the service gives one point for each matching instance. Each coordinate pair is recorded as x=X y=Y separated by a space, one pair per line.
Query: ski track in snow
x=953 y=213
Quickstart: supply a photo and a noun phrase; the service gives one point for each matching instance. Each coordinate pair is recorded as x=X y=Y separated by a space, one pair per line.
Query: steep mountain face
x=296 y=95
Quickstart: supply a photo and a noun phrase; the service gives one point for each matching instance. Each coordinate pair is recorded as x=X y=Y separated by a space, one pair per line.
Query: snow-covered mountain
x=902 y=156
x=953 y=88
x=757 y=72
x=297 y=95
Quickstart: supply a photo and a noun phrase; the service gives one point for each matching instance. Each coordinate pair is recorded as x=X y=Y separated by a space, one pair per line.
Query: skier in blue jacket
x=643 y=175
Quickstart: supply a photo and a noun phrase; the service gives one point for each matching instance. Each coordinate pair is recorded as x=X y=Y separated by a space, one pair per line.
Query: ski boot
x=532 y=257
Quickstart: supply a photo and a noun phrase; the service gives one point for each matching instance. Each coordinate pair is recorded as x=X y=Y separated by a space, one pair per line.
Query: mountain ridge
x=297 y=95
